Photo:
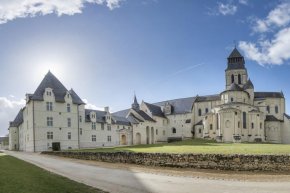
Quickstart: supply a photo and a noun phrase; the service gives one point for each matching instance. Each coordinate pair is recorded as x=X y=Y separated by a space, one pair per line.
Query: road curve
x=118 y=180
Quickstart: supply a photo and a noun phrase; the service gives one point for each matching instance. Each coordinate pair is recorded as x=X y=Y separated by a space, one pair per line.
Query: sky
x=160 y=49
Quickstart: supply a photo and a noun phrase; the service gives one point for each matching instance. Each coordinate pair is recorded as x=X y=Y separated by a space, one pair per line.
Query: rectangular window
x=276 y=109
x=156 y=131
x=163 y=132
x=109 y=138
x=93 y=126
x=109 y=127
x=81 y=131
x=210 y=126
x=69 y=135
x=68 y=108
x=94 y=138
x=81 y=118
x=69 y=122
x=49 y=135
x=102 y=126
x=49 y=121
x=49 y=106
x=261 y=125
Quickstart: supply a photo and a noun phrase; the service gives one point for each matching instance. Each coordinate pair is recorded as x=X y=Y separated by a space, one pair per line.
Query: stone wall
x=201 y=161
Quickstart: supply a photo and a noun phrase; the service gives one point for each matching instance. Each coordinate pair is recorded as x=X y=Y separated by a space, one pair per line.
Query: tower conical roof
x=135 y=104
x=235 y=60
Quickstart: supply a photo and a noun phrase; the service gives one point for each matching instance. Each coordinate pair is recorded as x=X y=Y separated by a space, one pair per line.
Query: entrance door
x=138 y=138
x=123 y=140
x=56 y=146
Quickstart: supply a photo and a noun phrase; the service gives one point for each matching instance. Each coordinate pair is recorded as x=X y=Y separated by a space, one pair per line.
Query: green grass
x=22 y=177
x=202 y=146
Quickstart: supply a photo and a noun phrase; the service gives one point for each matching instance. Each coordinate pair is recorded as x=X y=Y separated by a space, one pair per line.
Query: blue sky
x=161 y=49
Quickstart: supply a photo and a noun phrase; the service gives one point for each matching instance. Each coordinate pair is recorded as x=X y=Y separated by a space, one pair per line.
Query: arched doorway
x=123 y=140
x=138 y=139
x=152 y=135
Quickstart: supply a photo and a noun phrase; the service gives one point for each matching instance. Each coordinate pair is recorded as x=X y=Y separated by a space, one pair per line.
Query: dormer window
x=67 y=95
x=48 y=93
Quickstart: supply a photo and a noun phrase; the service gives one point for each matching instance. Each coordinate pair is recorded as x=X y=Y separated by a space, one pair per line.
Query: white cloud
x=278 y=17
x=12 y=9
x=8 y=112
x=244 y=2
x=275 y=51
x=227 y=9
x=91 y=106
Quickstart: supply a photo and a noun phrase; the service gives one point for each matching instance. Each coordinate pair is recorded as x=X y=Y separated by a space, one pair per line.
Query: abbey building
x=56 y=118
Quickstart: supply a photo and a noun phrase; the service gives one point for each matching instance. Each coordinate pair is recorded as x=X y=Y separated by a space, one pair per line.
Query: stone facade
x=56 y=117
x=200 y=161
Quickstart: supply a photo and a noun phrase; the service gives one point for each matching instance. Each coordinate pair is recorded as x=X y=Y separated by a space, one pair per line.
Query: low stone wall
x=202 y=161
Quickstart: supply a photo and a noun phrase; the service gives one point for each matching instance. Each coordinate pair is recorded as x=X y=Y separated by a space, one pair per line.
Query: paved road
x=132 y=181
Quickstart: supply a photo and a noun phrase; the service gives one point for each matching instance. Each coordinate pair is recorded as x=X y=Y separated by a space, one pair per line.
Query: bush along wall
x=235 y=162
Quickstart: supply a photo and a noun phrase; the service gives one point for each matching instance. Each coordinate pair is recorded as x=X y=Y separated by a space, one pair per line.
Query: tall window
x=49 y=135
x=102 y=126
x=93 y=125
x=233 y=78
x=253 y=125
x=239 y=79
x=49 y=121
x=49 y=106
x=109 y=138
x=206 y=110
x=276 y=109
x=244 y=120
x=109 y=127
x=81 y=131
x=68 y=108
x=94 y=138
x=69 y=122
x=199 y=112
x=69 y=135
x=261 y=125
x=173 y=130
x=210 y=126
x=239 y=124
x=268 y=109
x=156 y=131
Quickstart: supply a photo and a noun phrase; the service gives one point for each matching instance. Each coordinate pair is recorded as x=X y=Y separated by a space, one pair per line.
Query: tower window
x=239 y=79
x=233 y=78
x=276 y=109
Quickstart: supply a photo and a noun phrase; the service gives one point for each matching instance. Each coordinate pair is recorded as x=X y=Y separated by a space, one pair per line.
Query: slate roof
x=18 y=119
x=248 y=85
x=207 y=98
x=287 y=116
x=179 y=106
x=121 y=120
x=144 y=115
x=75 y=98
x=271 y=118
x=100 y=115
x=155 y=110
x=59 y=90
x=235 y=54
x=232 y=63
x=133 y=119
x=268 y=95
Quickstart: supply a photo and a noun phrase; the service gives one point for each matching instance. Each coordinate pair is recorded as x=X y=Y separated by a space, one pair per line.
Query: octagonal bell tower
x=236 y=71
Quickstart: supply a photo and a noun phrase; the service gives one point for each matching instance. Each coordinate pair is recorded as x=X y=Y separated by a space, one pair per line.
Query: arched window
x=239 y=79
x=206 y=110
x=232 y=99
x=268 y=109
x=276 y=109
x=244 y=120
x=199 y=112
x=173 y=130
x=252 y=125
x=233 y=78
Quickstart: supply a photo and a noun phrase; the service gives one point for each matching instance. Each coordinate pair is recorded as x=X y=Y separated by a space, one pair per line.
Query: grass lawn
x=17 y=176
x=203 y=146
